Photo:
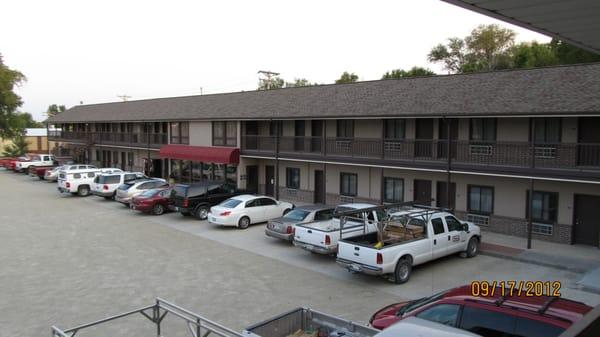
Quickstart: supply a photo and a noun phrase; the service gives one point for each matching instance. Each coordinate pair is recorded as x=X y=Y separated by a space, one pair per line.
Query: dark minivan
x=197 y=198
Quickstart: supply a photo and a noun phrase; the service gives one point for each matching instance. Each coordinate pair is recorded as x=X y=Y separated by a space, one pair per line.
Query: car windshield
x=296 y=215
x=150 y=193
x=125 y=187
x=230 y=203
x=421 y=302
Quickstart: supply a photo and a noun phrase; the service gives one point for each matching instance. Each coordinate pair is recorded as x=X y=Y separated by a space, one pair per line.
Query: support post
x=449 y=162
x=324 y=159
x=276 y=175
x=531 y=185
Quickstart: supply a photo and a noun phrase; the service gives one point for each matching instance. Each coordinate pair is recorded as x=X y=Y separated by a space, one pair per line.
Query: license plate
x=213 y=219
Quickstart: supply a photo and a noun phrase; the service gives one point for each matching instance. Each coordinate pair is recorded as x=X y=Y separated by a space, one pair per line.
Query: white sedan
x=244 y=210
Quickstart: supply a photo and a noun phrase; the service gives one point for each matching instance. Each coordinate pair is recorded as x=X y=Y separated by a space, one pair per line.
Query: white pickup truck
x=322 y=236
x=408 y=238
x=36 y=160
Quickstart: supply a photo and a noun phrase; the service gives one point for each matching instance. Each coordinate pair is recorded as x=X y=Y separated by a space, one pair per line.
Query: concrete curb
x=532 y=261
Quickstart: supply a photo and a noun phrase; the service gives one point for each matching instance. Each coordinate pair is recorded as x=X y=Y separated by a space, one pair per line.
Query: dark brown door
x=424 y=137
x=422 y=192
x=319 y=187
x=588 y=153
x=587 y=226
x=252 y=179
x=316 y=132
x=299 y=135
x=443 y=137
x=270 y=180
x=442 y=195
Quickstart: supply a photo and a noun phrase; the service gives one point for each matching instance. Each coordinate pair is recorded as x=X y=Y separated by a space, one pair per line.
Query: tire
x=244 y=222
x=40 y=178
x=158 y=209
x=473 y=247
x=403 y=271
x=201 y=212
x=83 y=191
x=185 y=214
x=108 y=198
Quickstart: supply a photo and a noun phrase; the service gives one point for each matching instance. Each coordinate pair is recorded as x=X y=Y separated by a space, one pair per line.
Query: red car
x=155 y=201
x=537 y=316
x=4 y=161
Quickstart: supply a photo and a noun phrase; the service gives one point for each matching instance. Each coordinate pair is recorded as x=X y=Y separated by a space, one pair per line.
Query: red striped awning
x=206 y=154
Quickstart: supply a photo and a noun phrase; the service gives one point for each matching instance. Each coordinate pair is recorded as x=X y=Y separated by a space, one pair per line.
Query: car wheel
x=286 y=211
x=403 y=271
x=185 y=214
x=108 y=198
x=41 y=178
x=83 y=191
x=244 y=222
x=473 y=247
x=201 y=212
x=158 y=209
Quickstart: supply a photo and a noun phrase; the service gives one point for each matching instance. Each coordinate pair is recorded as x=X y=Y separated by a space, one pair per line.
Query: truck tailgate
x=357 y=253
x=311 y=236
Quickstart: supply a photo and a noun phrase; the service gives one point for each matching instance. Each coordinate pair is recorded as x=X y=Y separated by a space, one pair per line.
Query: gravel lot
x=66 y=260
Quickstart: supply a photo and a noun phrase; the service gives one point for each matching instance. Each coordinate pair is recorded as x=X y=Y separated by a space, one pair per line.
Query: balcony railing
x=154 y=140
x=573 y=156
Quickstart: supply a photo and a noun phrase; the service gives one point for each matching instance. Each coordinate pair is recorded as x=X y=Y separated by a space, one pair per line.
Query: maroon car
x=155 y=201
x=517 y=315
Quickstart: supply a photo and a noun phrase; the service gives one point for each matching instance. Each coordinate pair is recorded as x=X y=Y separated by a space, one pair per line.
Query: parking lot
x=67 y=260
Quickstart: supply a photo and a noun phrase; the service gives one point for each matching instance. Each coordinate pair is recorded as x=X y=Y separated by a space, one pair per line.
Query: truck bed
x=324 y=225
x=308 y=322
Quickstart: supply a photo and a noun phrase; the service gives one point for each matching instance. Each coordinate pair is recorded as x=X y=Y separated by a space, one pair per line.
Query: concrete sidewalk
x=575 y=258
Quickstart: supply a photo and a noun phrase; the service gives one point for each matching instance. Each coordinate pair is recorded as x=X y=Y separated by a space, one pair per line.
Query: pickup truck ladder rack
x=197 y=325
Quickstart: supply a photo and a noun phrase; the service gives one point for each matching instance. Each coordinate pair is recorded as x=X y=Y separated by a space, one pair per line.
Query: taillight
x=379 y=258
x=186 y=202
x=327 y=239
x=106 y=187
x=68 y=185
x=290 y=230
x=225 y=213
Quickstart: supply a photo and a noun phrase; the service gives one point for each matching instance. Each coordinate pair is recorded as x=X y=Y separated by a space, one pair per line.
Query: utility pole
x=268 y=77
x=124 y=97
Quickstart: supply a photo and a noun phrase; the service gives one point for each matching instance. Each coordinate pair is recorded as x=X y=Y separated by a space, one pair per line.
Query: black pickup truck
x=197 y=198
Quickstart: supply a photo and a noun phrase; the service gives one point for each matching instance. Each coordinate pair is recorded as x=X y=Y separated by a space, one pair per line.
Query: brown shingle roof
x=543 y=91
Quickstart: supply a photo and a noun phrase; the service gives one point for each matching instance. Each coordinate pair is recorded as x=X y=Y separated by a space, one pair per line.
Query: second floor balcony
x=517 y=157
x=152 y=140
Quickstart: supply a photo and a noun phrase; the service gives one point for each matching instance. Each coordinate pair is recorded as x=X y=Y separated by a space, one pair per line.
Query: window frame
x=395 y=127
x=181 y=137
x=473 y=211
x=225 y=138
x=344 y=126
x=545 y=121
x=289 y=178
x=384 y=190
x=342 y=175
x=539 y=220
x=483 y=139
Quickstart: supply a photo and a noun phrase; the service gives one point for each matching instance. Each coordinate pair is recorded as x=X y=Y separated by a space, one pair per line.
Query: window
x=394 y=129
x=252 y=203
x=483 y=129
x=324 y=215
x=443 y=313
x=180 y=132
x=438 y=226
x=275 y=129
x=292 y=177
x=393 y=189
x=487 y=323
x=481 y=199
x=267 y=202
x=348 y=184
x=545 y=206
x=531 y=328
x=453 y=224
x=345 y=128
x=547 y=130
x=77 y=176
x=224 y=133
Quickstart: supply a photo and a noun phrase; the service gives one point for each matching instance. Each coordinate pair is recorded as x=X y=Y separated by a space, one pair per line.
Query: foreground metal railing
x=197 y=325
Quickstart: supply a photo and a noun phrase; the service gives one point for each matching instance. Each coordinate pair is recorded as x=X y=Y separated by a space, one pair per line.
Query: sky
x=94 y=51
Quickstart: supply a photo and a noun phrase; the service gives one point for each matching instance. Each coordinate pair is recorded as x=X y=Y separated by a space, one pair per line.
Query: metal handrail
x=159 y=310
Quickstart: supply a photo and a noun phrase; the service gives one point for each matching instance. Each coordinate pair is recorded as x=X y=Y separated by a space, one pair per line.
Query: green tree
x=412 y=72
x=486 y=48
x=532 y=55
x=18 y=146
x=19 y=121
x=299 y=82
x=54 y=110
x=568 y=54
x=9 y=100
x=347 y=78
x=274 y=83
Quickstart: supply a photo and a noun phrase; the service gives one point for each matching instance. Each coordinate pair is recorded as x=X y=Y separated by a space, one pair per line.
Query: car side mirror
x=465 y=227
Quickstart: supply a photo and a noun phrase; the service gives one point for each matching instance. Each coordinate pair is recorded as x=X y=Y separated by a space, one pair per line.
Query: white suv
x=127 y=191
x=106 y=184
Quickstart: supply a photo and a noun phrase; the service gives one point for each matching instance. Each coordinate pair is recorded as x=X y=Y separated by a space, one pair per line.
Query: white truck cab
x=79 y=180
x=36 y=160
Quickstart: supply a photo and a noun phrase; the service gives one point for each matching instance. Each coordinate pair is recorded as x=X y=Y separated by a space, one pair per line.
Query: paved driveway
x=66 y=260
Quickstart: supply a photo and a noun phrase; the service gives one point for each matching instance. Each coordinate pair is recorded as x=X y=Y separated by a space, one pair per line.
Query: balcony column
x=531 y=185
x=324 y=144
x=449 y=162
x=277 y=130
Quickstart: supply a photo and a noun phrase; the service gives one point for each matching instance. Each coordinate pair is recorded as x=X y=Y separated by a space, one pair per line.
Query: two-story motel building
x=490 y=137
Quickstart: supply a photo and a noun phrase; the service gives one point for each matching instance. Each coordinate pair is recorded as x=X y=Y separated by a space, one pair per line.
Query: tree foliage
x=299 y=82
x=347 y=78
x=9 y=100
x=18 y=146
x=274 y=83
x=54 y=110
x=569 y=54
x=412 y=72
x=19 y=121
